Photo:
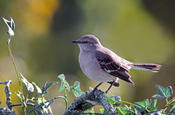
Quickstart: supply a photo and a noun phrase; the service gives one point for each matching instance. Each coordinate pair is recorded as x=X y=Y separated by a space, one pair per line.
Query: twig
x=13 y=105
x=13 y=61
x=50 y=101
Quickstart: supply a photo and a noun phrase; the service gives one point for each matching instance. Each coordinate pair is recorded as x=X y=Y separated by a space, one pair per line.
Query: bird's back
x=116 y=58
x=113 y=64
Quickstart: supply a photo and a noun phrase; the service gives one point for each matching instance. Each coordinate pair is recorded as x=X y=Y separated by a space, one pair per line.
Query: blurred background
x=138 y=30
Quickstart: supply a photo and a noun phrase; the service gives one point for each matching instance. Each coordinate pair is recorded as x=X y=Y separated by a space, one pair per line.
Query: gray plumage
x=103 y=65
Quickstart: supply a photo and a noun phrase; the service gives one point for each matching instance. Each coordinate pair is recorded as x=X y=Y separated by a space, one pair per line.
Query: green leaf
x=39 y=91
x=28 y=85
x=102 y=110
x=163 y=93
x=47 y=85
x=119 y=110
x=172 y=110
x=64 y=83
x=76 y=89
x=147 y=106
x=90 y=111
x=133 y=110
x=125 y=110
x=110 y=100
x=143 y=104
x=153 y=105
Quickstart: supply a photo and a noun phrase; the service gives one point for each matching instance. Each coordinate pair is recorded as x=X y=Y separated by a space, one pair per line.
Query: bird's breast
x=86 y=61
x=90 y=67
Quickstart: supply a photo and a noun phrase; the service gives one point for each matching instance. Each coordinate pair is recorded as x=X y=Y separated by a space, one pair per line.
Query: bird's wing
x=111 y=66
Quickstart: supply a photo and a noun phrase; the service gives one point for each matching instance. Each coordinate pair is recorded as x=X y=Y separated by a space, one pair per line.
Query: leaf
x=89 y=111
x=102 y=110
x=147 y=105
x=172 y=110
x=122 y=110
x=39 y=91
x=28 y=85
x=64 y=83
x=143 y=104
x=134 y=111
x=125 y=110
x=43 y=104
x=21 y=98
x=11 y=26
x=47 y=85
x=153 y=105
x=163 y=93
x=76 y=89
x=110 y=100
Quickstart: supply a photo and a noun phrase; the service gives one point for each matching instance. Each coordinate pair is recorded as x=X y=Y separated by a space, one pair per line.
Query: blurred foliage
x=35 y=102
x=138 y=30
x=35 y=15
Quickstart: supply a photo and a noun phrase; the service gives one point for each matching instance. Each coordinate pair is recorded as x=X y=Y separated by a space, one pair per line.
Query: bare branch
x=90 y=99
x=8 y=93
x=6 y=111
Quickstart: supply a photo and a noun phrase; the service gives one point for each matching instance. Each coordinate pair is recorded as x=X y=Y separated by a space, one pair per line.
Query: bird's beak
x=78 y=41
x=75 y=41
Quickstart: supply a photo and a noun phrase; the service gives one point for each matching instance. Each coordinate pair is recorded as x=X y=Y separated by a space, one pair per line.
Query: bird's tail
x=146 y=66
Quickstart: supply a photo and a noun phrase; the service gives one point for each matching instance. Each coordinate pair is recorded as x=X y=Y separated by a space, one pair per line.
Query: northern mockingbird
x=103 y=65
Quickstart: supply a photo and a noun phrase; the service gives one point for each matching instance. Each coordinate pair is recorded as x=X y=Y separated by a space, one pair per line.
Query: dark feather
x=112 y=67
x=147 y=66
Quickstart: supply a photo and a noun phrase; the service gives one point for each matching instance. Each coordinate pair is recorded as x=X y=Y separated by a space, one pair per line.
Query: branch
x=4 y=111
x=90 y=99
x=8 y=93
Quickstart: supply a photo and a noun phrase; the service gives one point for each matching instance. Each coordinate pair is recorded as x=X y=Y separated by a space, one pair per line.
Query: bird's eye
x=86 y=41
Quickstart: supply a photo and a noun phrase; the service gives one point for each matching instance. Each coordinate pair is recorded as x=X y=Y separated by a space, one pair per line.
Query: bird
x=103 y=65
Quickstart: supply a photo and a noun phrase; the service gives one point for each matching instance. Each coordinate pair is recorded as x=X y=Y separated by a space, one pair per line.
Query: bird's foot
x=113 y=83
x=97 y=86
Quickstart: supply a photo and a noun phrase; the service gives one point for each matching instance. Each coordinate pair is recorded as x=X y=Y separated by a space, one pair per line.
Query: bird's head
x=87 y=42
